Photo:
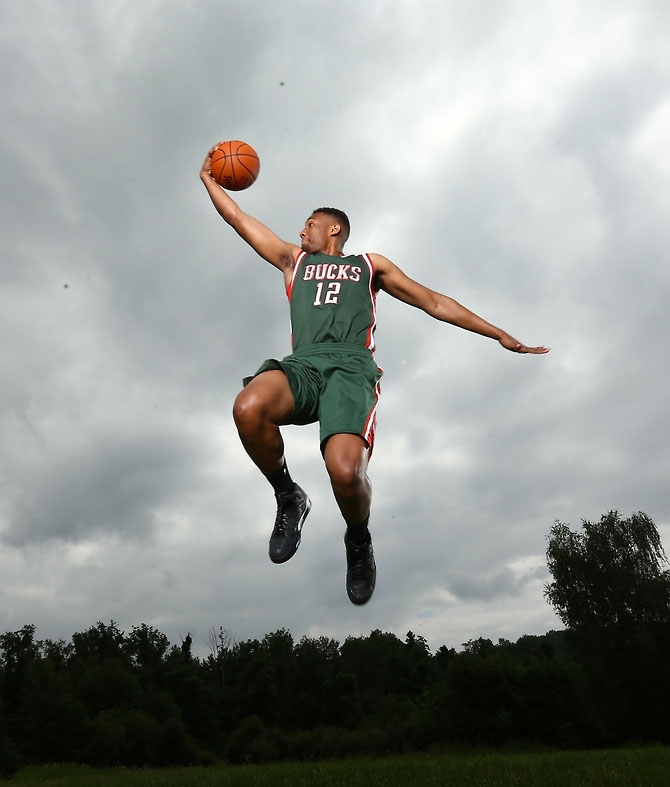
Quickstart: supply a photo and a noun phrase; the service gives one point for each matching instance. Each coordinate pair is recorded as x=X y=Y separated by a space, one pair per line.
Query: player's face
x=314 y=235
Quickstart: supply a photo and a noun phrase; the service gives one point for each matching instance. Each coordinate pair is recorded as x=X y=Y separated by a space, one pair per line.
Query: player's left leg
x=346 y=457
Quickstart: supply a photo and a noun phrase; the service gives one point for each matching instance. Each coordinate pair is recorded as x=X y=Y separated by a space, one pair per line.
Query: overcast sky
x=513 y=154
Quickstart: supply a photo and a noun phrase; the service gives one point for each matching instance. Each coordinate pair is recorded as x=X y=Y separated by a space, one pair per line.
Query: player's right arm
x=262 y=240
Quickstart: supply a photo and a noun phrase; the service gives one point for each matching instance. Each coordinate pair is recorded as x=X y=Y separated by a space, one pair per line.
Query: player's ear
x=335 y=229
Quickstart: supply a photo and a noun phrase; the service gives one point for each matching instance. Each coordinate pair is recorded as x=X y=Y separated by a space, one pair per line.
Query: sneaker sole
x=301 y=522
x=360 y=601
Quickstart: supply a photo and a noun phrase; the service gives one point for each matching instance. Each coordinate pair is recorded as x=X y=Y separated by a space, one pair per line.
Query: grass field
x=645 y=767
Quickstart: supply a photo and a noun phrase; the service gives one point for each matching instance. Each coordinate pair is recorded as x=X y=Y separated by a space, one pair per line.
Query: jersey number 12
x=332 y=293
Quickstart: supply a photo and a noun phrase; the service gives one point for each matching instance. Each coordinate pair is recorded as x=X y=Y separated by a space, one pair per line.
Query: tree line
x=107 y=697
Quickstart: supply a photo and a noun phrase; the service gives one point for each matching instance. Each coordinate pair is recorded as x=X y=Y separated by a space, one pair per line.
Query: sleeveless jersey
x=333 y=300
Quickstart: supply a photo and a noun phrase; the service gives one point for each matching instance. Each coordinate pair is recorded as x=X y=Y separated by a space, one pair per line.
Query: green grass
x=645 y=767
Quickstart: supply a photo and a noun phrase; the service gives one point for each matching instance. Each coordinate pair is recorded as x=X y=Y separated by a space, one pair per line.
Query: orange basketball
x=235 y=165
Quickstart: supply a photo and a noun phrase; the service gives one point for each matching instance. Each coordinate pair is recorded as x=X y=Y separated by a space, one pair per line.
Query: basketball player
x=331 y=376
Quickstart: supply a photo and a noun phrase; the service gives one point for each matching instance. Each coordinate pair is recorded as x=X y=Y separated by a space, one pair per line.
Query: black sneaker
x=361 y=571
x=292 y=510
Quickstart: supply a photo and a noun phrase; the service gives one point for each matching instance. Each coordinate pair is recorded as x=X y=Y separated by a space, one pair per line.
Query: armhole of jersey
x=372 y=269
x=370 y=341
x=298 y=260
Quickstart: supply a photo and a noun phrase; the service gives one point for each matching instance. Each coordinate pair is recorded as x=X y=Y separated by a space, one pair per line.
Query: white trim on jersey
x=373 y=302
x=301 y=256
x=371 y=422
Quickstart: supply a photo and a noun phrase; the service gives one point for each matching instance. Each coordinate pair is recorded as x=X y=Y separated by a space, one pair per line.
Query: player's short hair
x=341 y=217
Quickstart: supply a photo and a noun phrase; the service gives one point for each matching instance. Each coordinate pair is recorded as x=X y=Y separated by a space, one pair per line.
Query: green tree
x=314 y=665
x=100 y=642
x=380 y=664
x=250 y=688
x=18 y=649
x=609 y=575
x=194 y=691
x=52 y=723
x=10 y=760
x=146 y=648
x=479 y=702
x=613 y=594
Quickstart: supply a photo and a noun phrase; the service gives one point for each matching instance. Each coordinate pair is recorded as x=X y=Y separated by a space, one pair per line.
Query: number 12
x=332 y=293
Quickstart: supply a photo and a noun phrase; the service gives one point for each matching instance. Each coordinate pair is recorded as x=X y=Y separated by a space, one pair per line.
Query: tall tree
x=611 y=575
x=612 y=592
x=18 y=649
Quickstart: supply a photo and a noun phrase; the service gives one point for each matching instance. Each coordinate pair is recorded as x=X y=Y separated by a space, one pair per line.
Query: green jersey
x=333 y=300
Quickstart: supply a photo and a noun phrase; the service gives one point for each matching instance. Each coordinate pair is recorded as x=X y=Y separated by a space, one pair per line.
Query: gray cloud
x=513 y=157
x=102 y=483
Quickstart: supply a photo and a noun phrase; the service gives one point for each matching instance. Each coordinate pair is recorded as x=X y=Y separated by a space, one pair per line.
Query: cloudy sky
x=512 y=154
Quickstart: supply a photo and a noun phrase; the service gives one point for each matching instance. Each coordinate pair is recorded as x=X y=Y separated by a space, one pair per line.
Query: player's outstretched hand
x=509 y=343
x=206 y=169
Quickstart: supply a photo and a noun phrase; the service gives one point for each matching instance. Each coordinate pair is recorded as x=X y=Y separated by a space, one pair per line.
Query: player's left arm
x=396 y=282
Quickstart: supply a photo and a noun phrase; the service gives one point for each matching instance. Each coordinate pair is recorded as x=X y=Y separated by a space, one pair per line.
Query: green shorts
x=334 y=384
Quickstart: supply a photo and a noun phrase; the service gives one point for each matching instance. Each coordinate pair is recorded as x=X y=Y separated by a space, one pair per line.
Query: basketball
x=235 y=165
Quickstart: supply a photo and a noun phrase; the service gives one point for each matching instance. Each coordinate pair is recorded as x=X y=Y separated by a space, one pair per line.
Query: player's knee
x=247 y=411
x=345 y=476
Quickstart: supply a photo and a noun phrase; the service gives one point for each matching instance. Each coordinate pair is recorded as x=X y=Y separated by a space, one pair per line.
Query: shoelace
x=281 y=522
x=359 y=565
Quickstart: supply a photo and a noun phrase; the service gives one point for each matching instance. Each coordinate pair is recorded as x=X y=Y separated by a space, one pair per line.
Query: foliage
x=609 y=575
x=115 y=699
x=611 y=591
x=110 y=698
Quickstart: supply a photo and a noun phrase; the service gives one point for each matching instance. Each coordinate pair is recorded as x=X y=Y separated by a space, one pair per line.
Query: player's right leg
x=264 y=405
x=260 y=409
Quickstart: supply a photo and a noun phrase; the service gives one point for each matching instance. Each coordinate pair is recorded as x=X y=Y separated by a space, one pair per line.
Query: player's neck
x=332 y=250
